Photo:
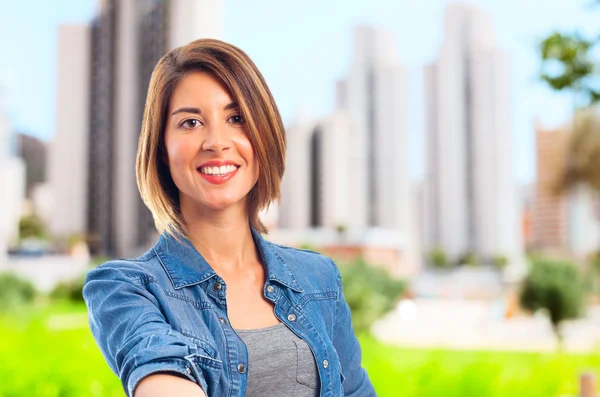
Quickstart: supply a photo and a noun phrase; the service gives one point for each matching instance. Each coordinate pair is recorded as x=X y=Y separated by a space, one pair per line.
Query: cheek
x=179 y=152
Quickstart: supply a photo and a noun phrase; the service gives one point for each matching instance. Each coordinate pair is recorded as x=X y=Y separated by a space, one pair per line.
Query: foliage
x=567 y=64
x=469 y=259
x=592 y=277
x=15 y=292
x=500 y=261
x=438 y=259
x=555 y=287
x=582 y=164
x=69 y=290
x=31 y=226
x=369 y=291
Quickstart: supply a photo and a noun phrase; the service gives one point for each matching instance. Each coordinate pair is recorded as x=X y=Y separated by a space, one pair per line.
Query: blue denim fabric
x=166 y=311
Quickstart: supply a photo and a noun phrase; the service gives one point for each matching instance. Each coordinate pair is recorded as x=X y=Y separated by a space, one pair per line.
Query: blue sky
x=302 y=48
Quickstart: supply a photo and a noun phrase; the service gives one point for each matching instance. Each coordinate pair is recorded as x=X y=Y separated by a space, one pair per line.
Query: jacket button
x=325 y=364
x=188 y=370
x=292 y=317
x=222 y=320
x=270 y=288
x=217 y=286
x=241 y=368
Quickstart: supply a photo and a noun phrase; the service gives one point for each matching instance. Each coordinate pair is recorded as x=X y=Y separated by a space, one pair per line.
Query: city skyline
x=417 y=30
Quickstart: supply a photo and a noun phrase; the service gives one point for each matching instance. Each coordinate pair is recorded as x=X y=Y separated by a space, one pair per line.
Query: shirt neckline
x=259 y=330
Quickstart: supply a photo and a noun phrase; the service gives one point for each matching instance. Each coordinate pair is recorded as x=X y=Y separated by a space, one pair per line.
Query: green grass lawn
x=432 y=373
x=49 y=352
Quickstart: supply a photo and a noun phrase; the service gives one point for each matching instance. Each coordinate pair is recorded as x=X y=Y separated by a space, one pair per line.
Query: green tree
x=569 y=64
x=557 y=288
x=369 y=291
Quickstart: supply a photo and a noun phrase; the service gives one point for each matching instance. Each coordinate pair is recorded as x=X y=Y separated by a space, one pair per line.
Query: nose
x=216 y=139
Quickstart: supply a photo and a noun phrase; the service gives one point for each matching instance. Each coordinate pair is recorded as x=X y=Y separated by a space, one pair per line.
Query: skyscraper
x=373 y=97
x=471 y=197
x=550 y=220
x=126 y=41
x=317 y=185
x=67 y=161
x=349 y=169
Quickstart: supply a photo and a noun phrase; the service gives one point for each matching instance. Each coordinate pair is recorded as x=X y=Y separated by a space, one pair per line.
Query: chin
x=220 y=204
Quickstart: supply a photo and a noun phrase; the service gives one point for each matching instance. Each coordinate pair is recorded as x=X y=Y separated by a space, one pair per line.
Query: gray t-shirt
x=279 y=363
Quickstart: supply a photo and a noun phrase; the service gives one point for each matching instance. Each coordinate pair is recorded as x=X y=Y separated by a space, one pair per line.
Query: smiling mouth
x=218 y=171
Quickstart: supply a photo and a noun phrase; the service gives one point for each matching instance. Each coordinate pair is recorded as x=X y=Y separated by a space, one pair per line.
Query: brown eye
x=237 y=119
x=190 y=124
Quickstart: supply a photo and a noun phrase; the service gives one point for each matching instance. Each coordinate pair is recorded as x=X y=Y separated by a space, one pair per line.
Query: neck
x=223 y=238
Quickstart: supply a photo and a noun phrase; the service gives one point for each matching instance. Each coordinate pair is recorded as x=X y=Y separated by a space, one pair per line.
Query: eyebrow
x=232 y=105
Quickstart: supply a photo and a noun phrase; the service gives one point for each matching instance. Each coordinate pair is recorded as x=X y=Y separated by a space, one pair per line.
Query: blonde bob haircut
x=234 y=69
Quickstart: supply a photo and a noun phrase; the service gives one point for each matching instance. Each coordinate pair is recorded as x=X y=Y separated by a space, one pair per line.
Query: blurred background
x=445 y=154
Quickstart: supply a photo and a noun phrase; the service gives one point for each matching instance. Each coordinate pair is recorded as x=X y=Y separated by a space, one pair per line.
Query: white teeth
x=224 y=169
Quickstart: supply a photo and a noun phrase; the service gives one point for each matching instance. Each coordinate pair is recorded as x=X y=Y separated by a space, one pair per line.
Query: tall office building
x=550 y=220
x=349 y=169
x=104 y=72
x=316 y=186
x=471 y=196
x=373 y=97
x=67 y=161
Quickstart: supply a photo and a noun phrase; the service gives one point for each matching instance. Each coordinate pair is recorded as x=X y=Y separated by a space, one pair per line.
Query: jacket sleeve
x=131 y=331
x=356 y=381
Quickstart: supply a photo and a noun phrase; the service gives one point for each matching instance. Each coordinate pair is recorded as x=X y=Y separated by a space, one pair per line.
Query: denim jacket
x=166 y=312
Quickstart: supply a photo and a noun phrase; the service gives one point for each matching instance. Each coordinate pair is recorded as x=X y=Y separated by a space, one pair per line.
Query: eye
x=190 y=124
x=237 y=119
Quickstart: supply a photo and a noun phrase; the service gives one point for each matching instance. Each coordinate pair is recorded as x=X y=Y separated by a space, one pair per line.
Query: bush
x=69 y=290
x=31 y=226
x=370 y=292
x=500 y=261
x=468 y=259
x=555 y=287
x=438 y=259
x=15 y=291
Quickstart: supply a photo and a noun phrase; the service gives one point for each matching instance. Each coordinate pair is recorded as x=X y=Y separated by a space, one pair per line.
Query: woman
x=213 y=309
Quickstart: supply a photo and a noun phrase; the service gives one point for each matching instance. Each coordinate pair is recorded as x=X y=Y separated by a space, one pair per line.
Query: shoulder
x=309 y=267
x=140 y=270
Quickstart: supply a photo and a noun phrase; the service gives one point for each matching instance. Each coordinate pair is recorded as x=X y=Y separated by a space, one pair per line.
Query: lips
x=218 y=172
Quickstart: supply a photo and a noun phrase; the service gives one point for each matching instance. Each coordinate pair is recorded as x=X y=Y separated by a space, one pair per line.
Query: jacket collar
x=186 y=266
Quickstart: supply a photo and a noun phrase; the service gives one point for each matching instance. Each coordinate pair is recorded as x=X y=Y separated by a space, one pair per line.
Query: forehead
x=200 y=89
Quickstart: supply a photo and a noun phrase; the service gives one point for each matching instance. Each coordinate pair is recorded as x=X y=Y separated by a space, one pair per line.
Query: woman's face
x=210 y=156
